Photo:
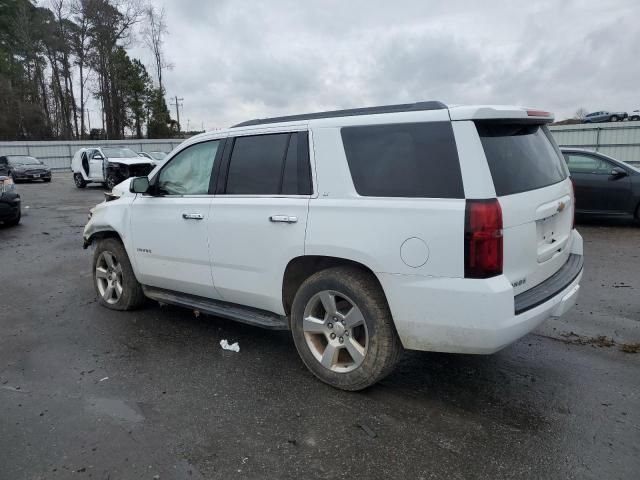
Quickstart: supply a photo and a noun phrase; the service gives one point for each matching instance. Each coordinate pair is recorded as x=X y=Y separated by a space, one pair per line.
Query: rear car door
x=597 y=190
x=259 y=216
x=169 y=228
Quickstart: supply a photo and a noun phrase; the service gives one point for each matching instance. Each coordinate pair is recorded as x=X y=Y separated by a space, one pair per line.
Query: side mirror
x=139 y=185
x=98 y=157
x=618 y=172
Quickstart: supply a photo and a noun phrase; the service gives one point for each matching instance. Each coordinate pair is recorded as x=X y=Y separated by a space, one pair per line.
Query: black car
x=603 y=185
x=24 y=167
x=9 y=202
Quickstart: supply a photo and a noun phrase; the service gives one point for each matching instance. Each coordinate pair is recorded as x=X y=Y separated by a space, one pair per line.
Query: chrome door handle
x=283 y=218
x=192 y=216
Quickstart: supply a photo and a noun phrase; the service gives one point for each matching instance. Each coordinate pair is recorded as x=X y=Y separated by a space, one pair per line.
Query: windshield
x=19 y=160
x=119 y=153
x=158 y=155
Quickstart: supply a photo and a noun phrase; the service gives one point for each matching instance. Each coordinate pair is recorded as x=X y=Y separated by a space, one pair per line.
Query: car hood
x=131 y=161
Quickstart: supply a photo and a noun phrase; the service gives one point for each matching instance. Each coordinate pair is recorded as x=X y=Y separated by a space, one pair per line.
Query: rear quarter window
x=521 y=157
x=404 y=160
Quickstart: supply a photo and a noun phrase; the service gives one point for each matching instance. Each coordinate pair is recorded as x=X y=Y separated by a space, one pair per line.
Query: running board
x=249 y=315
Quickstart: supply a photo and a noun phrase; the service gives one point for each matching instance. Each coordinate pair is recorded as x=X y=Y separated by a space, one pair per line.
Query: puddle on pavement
x=116 y=409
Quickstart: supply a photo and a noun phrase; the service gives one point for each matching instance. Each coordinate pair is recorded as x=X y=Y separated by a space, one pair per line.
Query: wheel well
x=103 y=234
x=301 y=268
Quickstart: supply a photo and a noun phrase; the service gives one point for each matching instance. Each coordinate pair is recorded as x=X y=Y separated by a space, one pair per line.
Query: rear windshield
x=404 y=160
x=521 y=157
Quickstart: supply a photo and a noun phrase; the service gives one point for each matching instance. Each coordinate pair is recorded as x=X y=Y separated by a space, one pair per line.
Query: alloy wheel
x=335 y=331
x=109 y=277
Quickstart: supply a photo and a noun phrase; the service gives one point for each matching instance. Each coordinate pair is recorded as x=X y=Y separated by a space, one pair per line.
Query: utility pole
x=178 y=103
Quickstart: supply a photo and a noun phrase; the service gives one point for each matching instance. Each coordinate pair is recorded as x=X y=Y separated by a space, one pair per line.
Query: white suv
x=362 y=231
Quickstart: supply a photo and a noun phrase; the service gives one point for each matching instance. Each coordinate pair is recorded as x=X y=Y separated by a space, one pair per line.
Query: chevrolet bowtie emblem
x=561 y=206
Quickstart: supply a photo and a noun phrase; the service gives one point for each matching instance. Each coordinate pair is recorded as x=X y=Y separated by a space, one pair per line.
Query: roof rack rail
x=403 y=107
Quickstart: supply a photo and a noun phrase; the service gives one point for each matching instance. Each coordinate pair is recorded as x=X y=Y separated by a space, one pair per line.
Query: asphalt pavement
x=86 y=392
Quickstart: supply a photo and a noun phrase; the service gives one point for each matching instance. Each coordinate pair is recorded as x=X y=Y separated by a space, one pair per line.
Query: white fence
x=58 y=154
x=619 y=140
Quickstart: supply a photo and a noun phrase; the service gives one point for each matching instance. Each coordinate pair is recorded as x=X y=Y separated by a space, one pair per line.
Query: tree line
x=54 y=59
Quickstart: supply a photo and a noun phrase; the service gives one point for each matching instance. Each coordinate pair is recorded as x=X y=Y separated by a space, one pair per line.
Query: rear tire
x=614 y=118
x=343 y=329
x=79 y=181
x=113 y=278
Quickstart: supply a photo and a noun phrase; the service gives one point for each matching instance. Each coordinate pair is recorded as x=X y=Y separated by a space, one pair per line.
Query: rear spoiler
x=501 y=113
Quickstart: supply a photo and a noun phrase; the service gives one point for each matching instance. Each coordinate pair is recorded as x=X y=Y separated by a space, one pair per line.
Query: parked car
x=24 y=167
x=9 y=202
x=635 y=115
x=633 y=163
x=108 y=165
x=157 y=157
x=362 y=231
x=604 y=116
x=603 y=185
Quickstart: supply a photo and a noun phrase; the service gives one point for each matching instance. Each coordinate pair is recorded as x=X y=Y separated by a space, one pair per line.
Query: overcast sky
x=236 y=60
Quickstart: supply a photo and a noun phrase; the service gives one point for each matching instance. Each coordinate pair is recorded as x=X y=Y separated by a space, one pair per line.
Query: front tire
x=111 y=182
x=614 y=118
x=113 y=278
x=13 y=222
x=79 y=181
x=343 y=330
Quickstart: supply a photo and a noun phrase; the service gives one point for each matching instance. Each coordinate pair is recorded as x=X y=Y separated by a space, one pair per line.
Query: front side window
x=588 y=164
x=404 y=160
x=189 y=172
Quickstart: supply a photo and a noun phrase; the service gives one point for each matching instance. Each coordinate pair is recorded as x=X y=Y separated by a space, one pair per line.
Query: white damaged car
x=108 y=165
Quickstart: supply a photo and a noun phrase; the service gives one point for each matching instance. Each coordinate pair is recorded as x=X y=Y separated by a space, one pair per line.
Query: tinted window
x=404 y=160
x=588 y=164
x=296 y=179
x=269 y=165
x=189 y=172
x=520 y=157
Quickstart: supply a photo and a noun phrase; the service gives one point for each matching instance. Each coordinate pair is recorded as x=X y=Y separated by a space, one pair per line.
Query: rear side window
x=404 y=160
x=270 y=165
x=521 y=157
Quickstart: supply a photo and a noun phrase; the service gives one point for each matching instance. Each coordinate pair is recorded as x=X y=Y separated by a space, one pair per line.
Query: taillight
x=483 y=239
x=573 y=203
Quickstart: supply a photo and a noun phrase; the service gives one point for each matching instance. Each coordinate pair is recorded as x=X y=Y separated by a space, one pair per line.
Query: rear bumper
x=471 y=316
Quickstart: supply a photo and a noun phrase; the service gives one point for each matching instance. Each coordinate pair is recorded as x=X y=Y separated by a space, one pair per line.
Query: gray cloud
x=238 y=60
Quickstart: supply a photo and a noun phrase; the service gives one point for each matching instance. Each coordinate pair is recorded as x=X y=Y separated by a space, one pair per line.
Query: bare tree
x=580 y=113
x=153 y=34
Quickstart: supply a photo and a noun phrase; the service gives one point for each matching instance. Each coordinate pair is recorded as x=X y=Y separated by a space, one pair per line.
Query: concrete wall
x=620 y=140
x=58 y=154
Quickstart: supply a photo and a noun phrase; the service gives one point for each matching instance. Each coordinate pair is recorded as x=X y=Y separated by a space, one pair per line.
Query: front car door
x=259 y=215
x=596 y=189
x=96 y=160
x=169 y=228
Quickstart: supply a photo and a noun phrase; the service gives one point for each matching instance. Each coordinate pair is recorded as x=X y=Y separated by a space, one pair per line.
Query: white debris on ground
x=234 y=347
